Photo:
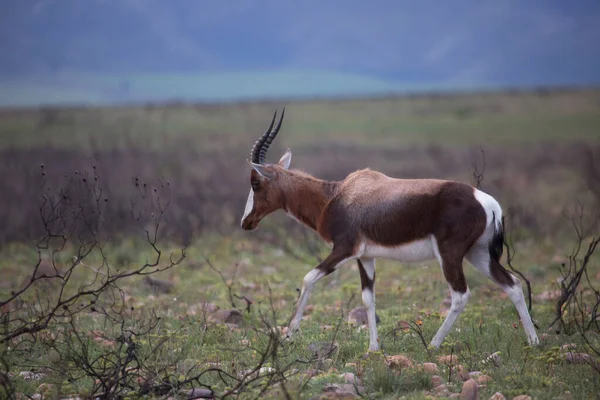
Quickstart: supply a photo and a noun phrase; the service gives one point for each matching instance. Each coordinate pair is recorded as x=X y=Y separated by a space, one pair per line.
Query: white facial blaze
x=249 y=205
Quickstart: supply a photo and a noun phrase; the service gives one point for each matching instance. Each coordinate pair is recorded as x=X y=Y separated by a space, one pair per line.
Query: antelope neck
x=305 y=197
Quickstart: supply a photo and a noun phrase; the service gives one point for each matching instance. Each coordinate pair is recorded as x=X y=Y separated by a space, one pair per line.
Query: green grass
x=506 y=123
x=404 y=292
x=495 y=118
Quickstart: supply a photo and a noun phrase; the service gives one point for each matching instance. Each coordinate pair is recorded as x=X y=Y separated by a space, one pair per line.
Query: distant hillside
x=97 y=89
x=129 y=50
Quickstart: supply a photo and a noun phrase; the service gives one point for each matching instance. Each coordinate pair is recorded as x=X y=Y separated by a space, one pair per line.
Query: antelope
x=370 y=215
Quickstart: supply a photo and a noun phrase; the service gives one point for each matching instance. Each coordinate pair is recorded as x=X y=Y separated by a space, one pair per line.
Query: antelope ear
x=286 y=159
x=262 y=170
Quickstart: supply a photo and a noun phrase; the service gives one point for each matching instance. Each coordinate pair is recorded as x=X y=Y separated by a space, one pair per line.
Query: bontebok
x=370 y=215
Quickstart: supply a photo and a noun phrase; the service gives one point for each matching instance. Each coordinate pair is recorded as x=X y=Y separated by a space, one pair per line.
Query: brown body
x=372 y=206
x=370 y=215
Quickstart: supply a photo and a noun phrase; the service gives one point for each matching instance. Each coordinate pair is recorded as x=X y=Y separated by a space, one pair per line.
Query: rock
x=313 y=372
x=498 y=396
x=336 y=396
x=358 y=316
x=493 y=359
x=31 y=376
x=403 y=325
x=188 y=365
x=549 y=295
x=522 y=397
x=459 y=347
x=214 y=365
x=323 y=349
x=568 y=346
x=209 y=307
x=233 y=317
x=436 y=381
x=44 y=389
x=158 y=286
x=483 y=379
x=269 y=270
x=371 y=355
x=344 y=387
x=262 y=371
x=202 y=308
x=250 y=373
x=200 y=394
x=449 y=359
x=470 y=390
x=474 y=374
x=350 y=378
x=578 y=358
x=463 y=375
x=284 y=330
x=265 y=370
x=544 y=337
x=247 y=284
x=399 y=361
x=430 y=368
x=441 y=390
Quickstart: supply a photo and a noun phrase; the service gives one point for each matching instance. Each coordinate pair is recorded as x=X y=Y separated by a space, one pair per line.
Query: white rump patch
x=493 y=211
x=249 y=205
x=416 y=251
x=491 y=207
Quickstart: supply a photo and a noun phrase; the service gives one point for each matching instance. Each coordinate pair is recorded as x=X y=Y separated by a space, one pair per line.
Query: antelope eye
x=255 y=185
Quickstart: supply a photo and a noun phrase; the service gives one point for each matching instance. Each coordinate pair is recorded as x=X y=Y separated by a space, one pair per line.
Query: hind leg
x=460 y=293
x=479 y=257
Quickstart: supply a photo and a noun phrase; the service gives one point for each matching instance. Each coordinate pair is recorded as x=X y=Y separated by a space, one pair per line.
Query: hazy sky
x=498 y=42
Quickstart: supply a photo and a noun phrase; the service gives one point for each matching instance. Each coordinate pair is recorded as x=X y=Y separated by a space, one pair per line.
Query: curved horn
x=254 y=153
x=259 y=150
x=269 y=139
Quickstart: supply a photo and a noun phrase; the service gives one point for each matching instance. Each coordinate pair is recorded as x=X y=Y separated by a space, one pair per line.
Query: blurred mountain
x=122 y=50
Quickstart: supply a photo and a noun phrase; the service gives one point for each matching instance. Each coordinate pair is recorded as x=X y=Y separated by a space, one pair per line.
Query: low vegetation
x=124 y=274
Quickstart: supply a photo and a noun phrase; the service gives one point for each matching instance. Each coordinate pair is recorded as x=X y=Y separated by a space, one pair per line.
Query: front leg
x=337 y=257
x=366 y=267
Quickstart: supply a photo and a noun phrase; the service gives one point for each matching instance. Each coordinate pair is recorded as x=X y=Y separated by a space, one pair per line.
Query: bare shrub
x=212 y=182
x=589 y=168
x=71 y=318
x=207 y=195
x=74 y=282
x=578 y=306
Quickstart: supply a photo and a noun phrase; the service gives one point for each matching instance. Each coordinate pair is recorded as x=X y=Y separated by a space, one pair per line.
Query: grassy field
x=535 y=145
x=486 y=118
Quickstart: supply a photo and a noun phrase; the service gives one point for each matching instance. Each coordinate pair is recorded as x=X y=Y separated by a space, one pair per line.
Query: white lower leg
x=480 y=258
x=309 y=282
x=369 y=300
x=368 y=296
x=516 y=296
x=459 y=301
